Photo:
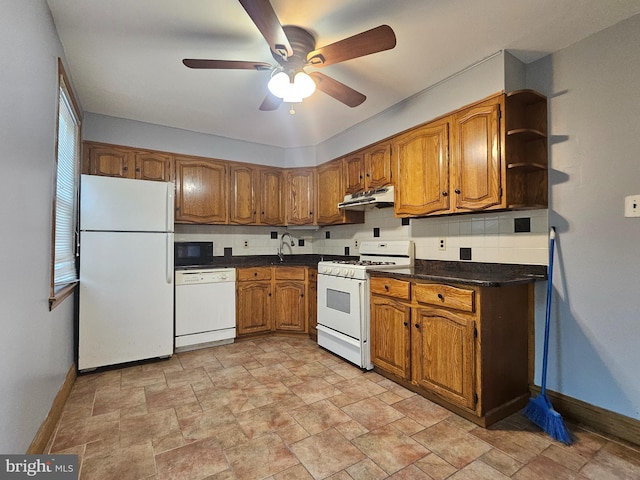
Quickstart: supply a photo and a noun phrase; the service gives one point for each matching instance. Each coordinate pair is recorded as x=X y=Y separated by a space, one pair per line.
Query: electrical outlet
x=632 y=206
x=356 y=243
x=246 y=244
x=442 y=244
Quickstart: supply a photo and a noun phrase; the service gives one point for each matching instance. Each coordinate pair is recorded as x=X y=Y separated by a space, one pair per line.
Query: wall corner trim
x=47 y=429
x=592 y=418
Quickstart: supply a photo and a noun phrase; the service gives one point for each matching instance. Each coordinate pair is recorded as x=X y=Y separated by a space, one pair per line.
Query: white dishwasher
x=205 y=307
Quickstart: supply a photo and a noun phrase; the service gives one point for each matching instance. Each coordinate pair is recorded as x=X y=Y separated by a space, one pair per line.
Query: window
x=64 y=275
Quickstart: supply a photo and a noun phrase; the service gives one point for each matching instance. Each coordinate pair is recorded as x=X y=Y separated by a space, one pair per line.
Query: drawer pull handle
x=441 y=297
x=406 y=324
x=255 y=274
x=386 y=287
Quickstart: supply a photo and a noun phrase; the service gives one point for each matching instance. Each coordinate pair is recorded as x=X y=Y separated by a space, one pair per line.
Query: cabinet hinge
x=475 y=332
x=500 y=192
x=475 y=398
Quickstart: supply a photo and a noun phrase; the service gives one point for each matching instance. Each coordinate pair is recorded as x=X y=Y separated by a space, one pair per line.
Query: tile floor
x=280 y=408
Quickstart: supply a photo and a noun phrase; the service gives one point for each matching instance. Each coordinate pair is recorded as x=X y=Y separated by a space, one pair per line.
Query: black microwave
x=193 y=253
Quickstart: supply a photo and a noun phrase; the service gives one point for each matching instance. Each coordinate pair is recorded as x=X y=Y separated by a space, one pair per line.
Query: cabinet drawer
x=289 y=273
x=390 y=286
x=256 y=273
x=444 y=296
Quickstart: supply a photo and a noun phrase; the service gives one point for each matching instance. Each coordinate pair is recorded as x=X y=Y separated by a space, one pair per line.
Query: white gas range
x=343 y=297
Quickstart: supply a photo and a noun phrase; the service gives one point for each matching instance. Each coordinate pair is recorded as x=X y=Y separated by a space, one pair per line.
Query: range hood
x=379 y=197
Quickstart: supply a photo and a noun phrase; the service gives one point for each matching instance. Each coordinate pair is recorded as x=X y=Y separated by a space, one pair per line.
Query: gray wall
x=36 y=345
x=594 y=108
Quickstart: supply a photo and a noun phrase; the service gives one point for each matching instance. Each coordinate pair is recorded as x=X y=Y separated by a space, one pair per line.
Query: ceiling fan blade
x=263 y=15
x=225 y=64
x=337 y=90
x=365 y=43
x=270 y=102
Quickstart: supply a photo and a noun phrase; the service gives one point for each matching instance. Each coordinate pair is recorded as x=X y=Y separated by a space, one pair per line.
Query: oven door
x=341 y=305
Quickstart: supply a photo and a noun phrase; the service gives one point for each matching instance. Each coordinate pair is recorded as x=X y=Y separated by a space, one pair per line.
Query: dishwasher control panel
x=213 y=275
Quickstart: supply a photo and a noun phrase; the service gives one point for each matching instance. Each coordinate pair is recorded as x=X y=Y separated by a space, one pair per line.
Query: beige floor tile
x=130 y=463
x=191 y=462
x=315 y=451
x=110 y=399
x=260 y=457
x=372 y=413
x=613 y=461
x=435 y=467
x=267 y=419
x=314 y=390
x=457 y=447
x=389 y=448
x=280 y=408
x=319 y=416
x=422 y=410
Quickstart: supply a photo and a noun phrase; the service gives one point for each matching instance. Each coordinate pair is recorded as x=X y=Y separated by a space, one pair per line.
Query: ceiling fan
x=294 y=48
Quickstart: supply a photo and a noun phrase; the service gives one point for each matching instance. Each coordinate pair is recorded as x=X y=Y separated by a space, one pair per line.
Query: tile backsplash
x=492 y=237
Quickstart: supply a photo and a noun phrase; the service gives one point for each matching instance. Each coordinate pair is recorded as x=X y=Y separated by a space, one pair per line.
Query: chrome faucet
x=293 y=244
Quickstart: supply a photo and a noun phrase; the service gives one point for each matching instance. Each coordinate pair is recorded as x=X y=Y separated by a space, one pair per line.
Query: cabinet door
x=421 y=163
x=154 y=166
x=201 y=191
x=111 y=162
x=330 y=193
x=390 y=336
x=444 y=354
x=300 y=196
x=243 y=204
x=290 y=309
x=253 y=307
x=377 y=160
x=354 y=173
x=271 y=204
x=476 y=160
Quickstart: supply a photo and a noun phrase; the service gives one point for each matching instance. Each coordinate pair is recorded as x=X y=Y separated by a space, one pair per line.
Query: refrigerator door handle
x=170 y=207
x=169 y=261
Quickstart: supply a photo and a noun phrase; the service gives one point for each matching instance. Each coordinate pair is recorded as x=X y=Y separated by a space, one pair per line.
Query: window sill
x=60 y=294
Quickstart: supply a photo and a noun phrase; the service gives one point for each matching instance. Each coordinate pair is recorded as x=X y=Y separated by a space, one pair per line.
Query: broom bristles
x=540 y=412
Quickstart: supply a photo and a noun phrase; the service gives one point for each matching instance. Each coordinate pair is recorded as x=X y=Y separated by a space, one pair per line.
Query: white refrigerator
x=126 y=271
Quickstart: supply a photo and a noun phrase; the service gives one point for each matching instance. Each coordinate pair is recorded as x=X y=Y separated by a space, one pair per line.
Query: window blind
x=66 y=191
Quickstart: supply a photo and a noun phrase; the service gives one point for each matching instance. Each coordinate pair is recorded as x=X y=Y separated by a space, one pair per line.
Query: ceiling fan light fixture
x=294 y=91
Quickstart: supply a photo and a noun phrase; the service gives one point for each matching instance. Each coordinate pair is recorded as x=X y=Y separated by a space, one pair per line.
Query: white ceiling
x=125 y=56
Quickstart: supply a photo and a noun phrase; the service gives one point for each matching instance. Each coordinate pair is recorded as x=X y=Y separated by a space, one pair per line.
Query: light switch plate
x=632 y=206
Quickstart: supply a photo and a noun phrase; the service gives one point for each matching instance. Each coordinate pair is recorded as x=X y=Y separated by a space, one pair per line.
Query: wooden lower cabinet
x=253 y=300
x=271 y=299
x=464 y=347
x=390 y=335
x=289 y=302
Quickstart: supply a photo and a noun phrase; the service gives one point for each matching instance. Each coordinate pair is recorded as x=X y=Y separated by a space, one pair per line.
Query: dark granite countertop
x=308 y=260
x=467 y=273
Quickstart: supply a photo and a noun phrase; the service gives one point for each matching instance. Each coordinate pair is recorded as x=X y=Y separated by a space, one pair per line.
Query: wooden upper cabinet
x=271 y=206
x=154 y=166
x=377 y=161
x=244 y=194
x=201 y=191
x=330 y=192
x=476 y=157
x=300 y=196
x=421 y=165
x=124 y=162
x=354 y=173
x=110 y=161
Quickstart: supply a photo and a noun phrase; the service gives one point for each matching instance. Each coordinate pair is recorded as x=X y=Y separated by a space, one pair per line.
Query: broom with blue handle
x=539 y=409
